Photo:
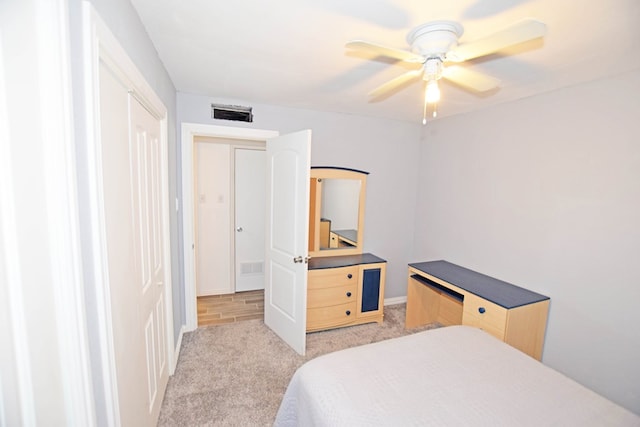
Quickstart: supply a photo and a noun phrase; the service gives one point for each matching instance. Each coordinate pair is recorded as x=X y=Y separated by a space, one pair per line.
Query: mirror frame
x=319 y=173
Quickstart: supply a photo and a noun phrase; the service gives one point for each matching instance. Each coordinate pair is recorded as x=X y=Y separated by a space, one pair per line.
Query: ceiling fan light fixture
x=432 y=93
x=432 y=68
x=435 y=43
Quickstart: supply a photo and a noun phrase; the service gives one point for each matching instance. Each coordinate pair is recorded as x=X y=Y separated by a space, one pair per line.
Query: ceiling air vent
x=237 y=113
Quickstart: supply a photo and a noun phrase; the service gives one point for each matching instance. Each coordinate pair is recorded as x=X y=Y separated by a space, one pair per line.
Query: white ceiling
x=291 y=52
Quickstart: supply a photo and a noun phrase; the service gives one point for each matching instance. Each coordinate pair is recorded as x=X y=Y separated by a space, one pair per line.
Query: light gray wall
x=545 y=193
x=386 y=149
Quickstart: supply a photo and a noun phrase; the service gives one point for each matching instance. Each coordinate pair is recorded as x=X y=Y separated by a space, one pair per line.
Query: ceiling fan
x=435 y=44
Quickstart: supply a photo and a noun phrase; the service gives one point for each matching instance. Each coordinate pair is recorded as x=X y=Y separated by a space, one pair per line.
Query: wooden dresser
x=344 y=286
x=439 y=291
x=345 y=290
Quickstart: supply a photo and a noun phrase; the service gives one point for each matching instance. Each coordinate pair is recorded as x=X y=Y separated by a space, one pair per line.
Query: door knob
x=298 y=259
x=239 y=229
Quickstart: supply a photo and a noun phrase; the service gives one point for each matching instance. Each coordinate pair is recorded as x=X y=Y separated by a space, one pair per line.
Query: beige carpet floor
x=236 y=374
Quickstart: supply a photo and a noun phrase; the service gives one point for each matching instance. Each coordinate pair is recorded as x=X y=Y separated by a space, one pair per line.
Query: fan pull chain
x=424 y=112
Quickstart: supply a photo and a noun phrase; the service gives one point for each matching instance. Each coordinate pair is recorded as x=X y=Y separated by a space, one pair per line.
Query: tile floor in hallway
x=229 y=308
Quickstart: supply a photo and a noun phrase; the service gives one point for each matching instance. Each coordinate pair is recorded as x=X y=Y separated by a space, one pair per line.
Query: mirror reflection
x=336 y=211
x=339 y=213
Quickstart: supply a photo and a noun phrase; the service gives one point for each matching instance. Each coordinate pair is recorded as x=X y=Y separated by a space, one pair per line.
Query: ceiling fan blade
x=403 y=55
x=396 y=82
x=520 y=32
x=470 y=79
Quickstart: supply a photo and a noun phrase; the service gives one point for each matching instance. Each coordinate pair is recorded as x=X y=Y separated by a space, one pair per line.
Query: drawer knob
x=348 y=312
x=348 y=294
x=481 y=310
x=349 y=276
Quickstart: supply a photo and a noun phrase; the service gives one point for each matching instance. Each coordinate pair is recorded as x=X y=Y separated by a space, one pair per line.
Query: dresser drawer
x=332 y=277
x=485 y=315
x=335 y=315
x=331 y=296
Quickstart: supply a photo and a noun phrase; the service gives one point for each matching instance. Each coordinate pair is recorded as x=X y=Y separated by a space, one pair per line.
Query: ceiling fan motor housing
x=435 y=38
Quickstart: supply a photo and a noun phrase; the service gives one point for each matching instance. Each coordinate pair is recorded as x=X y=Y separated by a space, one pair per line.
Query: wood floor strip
x=229 y=308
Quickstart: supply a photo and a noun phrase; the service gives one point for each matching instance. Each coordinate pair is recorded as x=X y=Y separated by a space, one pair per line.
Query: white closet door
x=148 y=243
x=250 y=190
x=131 y=156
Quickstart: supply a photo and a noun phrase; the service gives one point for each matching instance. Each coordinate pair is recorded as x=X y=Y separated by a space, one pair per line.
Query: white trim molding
x=40 y=259
x=17 y=406
x=176 y=351
x=63 y=222
x=395 y=300
x=189 y=132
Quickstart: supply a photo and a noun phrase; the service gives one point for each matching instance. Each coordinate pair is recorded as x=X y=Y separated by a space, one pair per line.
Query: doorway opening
x=225 y=298
x=228 y=184
x=245 y=177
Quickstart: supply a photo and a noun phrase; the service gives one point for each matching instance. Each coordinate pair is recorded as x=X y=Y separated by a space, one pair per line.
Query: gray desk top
x=494 y=290
x=342 y=261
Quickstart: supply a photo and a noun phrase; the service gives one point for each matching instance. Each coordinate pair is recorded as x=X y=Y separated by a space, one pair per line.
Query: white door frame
x=189 y=132
x=100 y=45
x=37 y=138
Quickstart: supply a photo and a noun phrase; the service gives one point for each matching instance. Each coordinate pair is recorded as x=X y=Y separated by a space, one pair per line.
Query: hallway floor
x=229 y=308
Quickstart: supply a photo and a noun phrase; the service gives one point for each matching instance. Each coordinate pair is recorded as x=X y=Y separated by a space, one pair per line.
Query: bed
x=455 y=375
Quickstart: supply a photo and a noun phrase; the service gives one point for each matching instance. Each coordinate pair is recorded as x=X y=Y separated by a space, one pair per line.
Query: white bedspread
x=448 y=376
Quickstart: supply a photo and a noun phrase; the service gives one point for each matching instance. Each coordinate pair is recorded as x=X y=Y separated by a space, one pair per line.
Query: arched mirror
x=336 y=211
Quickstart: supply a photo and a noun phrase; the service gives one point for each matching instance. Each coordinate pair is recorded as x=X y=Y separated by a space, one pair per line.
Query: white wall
x=343 y=216
x=213 y=213
x=39 y=267
x=386 y=149
x=545 y=193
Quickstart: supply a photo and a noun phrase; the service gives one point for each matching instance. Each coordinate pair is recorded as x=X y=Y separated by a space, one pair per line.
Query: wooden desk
x=325 y=231
x=439 y=291
x=343 y=238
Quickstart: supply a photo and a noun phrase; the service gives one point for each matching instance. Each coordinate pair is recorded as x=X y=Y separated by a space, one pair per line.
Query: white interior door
x=250 y=168
x=285 y=308
x=131 y=156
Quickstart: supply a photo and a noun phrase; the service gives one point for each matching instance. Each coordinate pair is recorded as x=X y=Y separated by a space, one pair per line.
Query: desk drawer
x=485 y=315
x=331 y=296
x=332 y=277
x=327 y=317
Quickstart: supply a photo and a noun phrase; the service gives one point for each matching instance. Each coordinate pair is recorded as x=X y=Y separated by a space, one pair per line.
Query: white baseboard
x=176 y=351
x=395 y=300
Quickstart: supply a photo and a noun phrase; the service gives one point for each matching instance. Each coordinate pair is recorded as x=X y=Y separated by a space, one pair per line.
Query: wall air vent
x=251 y=267
x=237 y=113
